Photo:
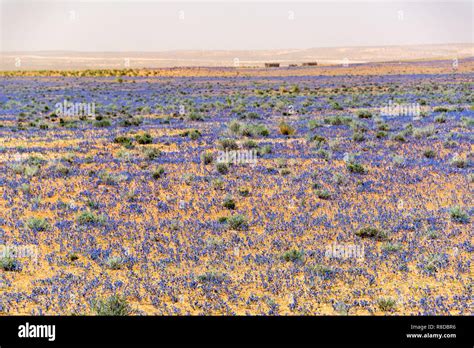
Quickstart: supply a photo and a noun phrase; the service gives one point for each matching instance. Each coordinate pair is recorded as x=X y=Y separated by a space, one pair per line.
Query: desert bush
x=158 y=172
x=229 y=203
x=364 y=114
x=357 y=136
x=222 y=168
x=211 y=277
x=428 y=153
x=228 y=144
x=371 y=232
x=38 y=224
x=459 y=215
x=112 y=306
x=323 y=194
x=237 y=222
x=381 y=134
x=144 y=138
x=286 y=129
x=207 y=158
x=459 y=162
x=355 y=167
x=88 y=217
x=9 y=264
x=151 y=153
x=115 y=262
x=386 y=304
x=391 y=247
x=103 y=123
x=293 y=255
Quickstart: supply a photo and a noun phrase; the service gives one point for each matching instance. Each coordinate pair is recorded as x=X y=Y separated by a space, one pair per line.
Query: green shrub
x=38 y=224
x=381 y=134
x=364 y=114
x=103 y=123
x=124 y=141
x=88 y=217
x=386 y=304
x=158 y=172
x=237 y=222
x=355 y=167
x=229 y=203
x=371 y=232
x=358 y=136
x=115 y=262
x=429 y=153
x=151 y=153
x=293 y=255
x=207 y=158
x=323 y=194
x=458 y=215
x=391 y=247
x=286 y=129
x=228 y=144
x=144 y=138
x=112 y=306
x=243 y=191
x=10 y=264
x=222 y=168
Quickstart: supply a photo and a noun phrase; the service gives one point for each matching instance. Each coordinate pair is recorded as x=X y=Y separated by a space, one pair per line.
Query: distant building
x=310 y=64
x=272 y=65
x=293 y=65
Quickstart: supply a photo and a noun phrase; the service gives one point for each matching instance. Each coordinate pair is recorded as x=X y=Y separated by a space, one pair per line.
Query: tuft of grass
x=10 y=264
x=229 y=203
x=115 y=263
x=371 y=232
x=207 y=158
x=103 y=123
x=323 y=194
x=228 y=144
x=286 y=129
x=355 y=167
x=386 y=304
x=38 y=224
x=391 y=247
x=151 y=153
x=158 y=172
x=211 y=277
x=144 y=138
x=459 y=215
x=237 y=222
x=364 y=114
x=293 y=255
x=459 y=162
x=222 y=168
x=88 y=217
x=429 y=153
x=112 y=306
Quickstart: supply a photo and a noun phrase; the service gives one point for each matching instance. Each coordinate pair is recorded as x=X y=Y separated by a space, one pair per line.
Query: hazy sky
x=29 y=25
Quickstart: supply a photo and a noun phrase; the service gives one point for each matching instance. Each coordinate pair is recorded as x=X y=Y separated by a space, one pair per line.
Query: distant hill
x=192 y=58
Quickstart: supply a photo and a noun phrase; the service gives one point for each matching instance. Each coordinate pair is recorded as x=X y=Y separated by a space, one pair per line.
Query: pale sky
x=29 y=25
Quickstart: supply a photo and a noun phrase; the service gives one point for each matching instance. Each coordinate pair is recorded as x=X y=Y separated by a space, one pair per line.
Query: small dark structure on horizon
x=293 y=65
x=272 y=65
x=310 y=64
